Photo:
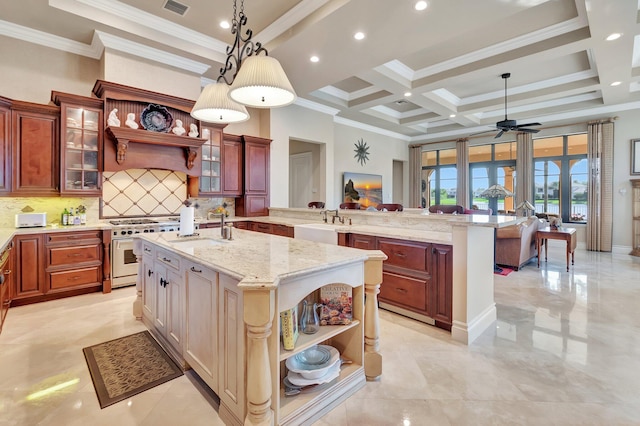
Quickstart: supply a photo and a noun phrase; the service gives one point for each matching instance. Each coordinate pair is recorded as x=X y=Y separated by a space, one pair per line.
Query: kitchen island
x=214 y=305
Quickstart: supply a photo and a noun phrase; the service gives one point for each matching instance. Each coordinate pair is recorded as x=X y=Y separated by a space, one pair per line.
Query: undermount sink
x=318 y=232
x=196 y=242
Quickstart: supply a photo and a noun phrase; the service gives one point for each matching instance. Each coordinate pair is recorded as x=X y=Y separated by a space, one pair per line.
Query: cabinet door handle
x=166 y=260
x=150 y=272
x=163 y=283
x=196 y=270
x=7 y=271
x=399 y=254
x=401 y=290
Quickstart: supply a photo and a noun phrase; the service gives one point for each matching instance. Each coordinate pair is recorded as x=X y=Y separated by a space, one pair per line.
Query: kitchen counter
x=228 y=294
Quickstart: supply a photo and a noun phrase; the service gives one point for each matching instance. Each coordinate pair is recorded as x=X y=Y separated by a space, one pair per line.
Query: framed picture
x=362 y=188
x=635 y=156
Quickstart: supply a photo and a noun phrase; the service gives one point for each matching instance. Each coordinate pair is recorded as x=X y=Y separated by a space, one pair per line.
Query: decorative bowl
x=156 y=118
x=312 y=363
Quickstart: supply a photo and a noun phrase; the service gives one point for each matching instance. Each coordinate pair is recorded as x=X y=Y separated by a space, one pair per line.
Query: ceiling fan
x=506 y=124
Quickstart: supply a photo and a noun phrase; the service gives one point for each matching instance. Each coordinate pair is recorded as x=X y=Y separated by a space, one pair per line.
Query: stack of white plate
x=315 y=365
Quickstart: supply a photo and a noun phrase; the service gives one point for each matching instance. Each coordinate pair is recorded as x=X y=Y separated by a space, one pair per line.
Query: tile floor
x=564 y=351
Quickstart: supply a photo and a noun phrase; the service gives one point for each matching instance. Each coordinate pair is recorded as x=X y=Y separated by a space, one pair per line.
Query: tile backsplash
x=143 y=192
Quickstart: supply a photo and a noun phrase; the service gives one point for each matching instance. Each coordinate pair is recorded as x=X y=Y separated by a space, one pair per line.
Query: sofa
x=516 y=244
x=446 y=208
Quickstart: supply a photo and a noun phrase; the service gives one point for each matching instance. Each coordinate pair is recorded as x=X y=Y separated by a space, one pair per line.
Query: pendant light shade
x=262 y=83
x=215 y=106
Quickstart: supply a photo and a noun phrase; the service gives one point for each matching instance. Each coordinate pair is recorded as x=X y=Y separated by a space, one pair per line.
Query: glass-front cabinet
x=210 y=179
x=81 y=146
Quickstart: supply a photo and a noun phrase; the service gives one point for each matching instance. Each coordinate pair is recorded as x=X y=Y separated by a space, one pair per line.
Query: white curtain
x=524 y=168
x=415 y=173
x=600 y=189
x=462 y=165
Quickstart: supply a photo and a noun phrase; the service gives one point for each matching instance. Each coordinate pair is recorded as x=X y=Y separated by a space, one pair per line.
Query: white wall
x=294 y=122
x=29 y=72
x=626 y=128
x=382 y=151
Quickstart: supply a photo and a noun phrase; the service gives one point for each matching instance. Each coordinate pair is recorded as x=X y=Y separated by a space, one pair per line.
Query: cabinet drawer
x=282 y=230
x=73 y=255
x=73 y=237
x=405 y=254
x=168 y=259
x=147 y=249
x=74 y=278
x=262 y=227
x=404 y=291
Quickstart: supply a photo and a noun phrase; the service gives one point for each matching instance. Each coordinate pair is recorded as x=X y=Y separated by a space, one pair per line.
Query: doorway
x=300 y=179
x=398 y=182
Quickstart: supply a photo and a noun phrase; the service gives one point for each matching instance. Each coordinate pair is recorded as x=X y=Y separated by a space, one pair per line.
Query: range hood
x=127 y=148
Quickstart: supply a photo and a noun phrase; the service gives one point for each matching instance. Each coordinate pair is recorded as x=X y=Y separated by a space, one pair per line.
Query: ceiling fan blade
x=528 y=130
x=500 y=133
x=483 y=132
x=528 y=125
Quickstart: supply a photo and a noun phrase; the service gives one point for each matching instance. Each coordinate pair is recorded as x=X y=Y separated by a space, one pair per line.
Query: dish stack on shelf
x=315 y=365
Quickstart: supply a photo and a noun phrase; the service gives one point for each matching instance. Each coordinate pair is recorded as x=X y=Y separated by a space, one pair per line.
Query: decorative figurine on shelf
x=193 y=130
x=178 y=129
x=113 y=119
x=131 y=121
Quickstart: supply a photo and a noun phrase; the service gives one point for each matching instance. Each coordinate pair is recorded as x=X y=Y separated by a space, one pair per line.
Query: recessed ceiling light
x=359 y=35
x=421 y=5
x=616 y=83
x=314 y=59
x=225 y=24
x=407 y=94
x=452 y=116
x=614 y=36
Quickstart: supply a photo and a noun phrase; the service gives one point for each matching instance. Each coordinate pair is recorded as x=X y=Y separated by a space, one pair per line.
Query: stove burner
x=132 y=222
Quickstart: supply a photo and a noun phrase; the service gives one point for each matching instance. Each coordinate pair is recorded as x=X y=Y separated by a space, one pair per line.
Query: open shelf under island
x=214 y=305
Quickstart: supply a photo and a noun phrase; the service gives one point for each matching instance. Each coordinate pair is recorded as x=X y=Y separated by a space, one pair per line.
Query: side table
x=566 y=234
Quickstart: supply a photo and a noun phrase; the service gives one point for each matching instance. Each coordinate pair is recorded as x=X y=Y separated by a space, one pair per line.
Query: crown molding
x=41 y=38
x=370 y=128
x=140 y=50
x=305 y=103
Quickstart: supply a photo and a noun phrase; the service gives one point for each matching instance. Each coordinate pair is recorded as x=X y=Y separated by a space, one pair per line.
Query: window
x=439 y=177
x=560 y=176
x=490 y=165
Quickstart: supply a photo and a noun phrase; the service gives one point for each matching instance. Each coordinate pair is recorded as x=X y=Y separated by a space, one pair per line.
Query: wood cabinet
x=267 y=228
x=54 y=265
x=81 y=144
x=6 y=281
x=35 y=149
x=74 y=261
x=255 y=199
x=30 y=262
x=201 y=306
x=232 y=165
x=167 y=309
x=5 y=146
x=417 y=277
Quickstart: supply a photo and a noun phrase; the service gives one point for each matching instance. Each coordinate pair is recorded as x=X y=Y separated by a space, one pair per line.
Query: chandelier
x=246 y=79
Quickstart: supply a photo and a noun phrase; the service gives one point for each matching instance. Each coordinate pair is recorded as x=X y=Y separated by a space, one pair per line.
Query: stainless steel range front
x=124 y=267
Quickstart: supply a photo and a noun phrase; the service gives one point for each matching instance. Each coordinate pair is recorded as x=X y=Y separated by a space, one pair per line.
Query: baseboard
x=468 y=332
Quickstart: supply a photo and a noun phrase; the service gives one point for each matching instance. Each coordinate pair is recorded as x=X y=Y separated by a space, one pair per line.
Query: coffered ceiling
x=449 y=56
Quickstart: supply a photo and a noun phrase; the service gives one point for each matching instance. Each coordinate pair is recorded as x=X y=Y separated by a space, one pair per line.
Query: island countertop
x=254 y=258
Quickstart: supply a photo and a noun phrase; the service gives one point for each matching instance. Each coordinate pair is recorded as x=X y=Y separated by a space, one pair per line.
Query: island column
x=372 y=281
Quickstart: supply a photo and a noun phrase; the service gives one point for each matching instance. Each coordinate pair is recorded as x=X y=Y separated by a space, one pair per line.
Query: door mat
x=129 y=365
x=504 y=272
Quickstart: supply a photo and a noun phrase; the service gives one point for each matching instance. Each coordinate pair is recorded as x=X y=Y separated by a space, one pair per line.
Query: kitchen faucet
x=324 y=215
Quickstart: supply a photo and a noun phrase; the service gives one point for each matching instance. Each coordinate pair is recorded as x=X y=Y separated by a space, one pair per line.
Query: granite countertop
x=257 y=259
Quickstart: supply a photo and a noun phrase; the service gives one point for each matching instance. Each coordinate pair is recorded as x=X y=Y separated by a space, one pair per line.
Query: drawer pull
x=401 y=290
x=196 y=270
x=74 y=278
x=399 y=254
x=74 y=254
x=166 y=260
x=147 y=250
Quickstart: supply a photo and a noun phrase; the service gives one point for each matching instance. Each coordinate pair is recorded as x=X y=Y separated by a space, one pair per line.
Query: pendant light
x=258 y=81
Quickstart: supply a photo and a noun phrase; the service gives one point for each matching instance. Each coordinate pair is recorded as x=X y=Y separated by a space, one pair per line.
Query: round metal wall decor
x=362 y=151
